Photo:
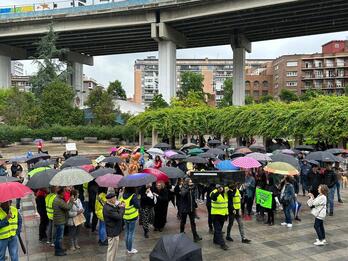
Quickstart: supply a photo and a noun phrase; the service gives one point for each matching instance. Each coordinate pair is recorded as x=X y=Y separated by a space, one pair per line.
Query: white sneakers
x=286 y=224
x=320 y=243
x=133 y=251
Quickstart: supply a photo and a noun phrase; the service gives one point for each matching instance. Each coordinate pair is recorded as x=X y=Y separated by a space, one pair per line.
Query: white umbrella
x=71 y=177
x=155 y=151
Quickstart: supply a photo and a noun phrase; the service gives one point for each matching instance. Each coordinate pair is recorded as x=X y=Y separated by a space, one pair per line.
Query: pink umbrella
x=246 y=163
x=108 y=180
x=13 y=190
x=88 y=168
x=160 y=176
x=169 y=153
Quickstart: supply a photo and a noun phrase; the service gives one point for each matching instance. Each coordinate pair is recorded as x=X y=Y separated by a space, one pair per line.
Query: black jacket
x=330 y=178
x=188 y=202
x=113 y=219
x=145 y=201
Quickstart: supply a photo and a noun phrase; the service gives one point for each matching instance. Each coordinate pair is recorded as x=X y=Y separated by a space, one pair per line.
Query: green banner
x=264 y=198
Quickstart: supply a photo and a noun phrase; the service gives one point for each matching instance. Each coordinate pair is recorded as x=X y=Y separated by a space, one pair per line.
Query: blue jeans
x=331 y=199
x=59 y=229
x=102 y=231
x=303 y=180
x=12 y=245
x=287 y=211
x=130 y=231
x=338 y=187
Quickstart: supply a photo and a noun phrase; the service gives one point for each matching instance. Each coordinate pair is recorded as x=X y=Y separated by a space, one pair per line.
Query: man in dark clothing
x=188 y=207
x=330 y=179
x=314 y=180
x=16 y=169
x=113 y=216
x=305 y=170
x=92 y=195
x=208 y=204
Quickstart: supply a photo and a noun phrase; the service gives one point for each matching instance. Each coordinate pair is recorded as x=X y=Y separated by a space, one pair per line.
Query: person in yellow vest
x=99 y=204
x=49 y=209
x=10 y=226
x=219 y=212
x=131 y=203
x=234 y=205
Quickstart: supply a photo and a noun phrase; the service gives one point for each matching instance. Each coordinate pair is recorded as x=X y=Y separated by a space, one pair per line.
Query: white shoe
x=133 y=251
x=283 y=223
x=319 y=243
x=289 y=225
x=324 y=241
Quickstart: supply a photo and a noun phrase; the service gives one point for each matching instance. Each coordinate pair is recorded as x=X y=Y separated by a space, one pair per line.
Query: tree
x=4 y=94
x=102 y=106
x=310 y=94
x=21 y=108
x=49 y=67
x=157 y=102
x=266 y=98
x=249 y=100
x=192 y=99
x=57 y=104
x=193 y=82
x=116 y=90
x=287 y=96
x=346 y=90
x=228 y=92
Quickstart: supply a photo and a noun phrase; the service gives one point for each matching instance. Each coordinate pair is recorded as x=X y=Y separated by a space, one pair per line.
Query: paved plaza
x=268 y=243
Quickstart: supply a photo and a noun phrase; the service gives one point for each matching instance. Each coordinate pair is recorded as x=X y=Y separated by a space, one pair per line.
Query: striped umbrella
x=246 y=163
x=281 y=168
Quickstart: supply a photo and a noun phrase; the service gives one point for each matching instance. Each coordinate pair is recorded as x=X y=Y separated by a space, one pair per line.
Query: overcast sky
x=112 y=67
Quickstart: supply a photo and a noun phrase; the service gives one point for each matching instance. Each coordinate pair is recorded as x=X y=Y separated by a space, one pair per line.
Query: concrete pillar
x=154 y=137
x=239 y=44
x=238 y=76
x=141 y=138
x=77 y=82
x=5 y=71
x=167 y=69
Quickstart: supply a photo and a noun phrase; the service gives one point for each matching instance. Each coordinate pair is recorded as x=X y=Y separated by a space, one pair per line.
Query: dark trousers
x=192 y=221
x=249 y=202
x=94 y=221
x=218 y=223
x=319 y=228
x=270 y=218
x=41 y=209
x=59 y=238
x=210 y=220
x=87 y=213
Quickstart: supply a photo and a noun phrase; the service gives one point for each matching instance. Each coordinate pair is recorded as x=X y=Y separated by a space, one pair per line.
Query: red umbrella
x=160 y=176
x=13 y=190
x=88 y=168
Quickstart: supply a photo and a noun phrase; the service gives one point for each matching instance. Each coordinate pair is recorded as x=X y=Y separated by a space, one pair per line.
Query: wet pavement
x=268 y=243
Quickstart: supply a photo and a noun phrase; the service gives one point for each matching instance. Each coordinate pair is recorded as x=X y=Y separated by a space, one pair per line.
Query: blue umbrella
x=136 y=180
x=226 y=165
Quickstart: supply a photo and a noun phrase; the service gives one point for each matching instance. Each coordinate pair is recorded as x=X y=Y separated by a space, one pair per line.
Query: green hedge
x=15 y=133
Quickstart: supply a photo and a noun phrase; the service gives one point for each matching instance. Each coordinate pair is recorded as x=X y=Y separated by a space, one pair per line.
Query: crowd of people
x=64 y=211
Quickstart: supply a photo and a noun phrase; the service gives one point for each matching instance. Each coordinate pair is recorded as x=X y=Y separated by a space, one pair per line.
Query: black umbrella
x=214 y=142
x=136 y=180
x=112 y=160
x=335 y=151
x=42 y=163
x=197 y=160
x=37 y=157
x=101 y=172
x=207 y=155
x=76 y=161
x=257 y=148
x=322 y=156
x=304 y=148
x=222 y=147
x=162 y=146
x=189 y=146
x=173 y=173
x=42 y=179
x=177 y=247
x=237 y=155
x=178 y=157
x=280 y=157
x=4 y=179
x=216 y=151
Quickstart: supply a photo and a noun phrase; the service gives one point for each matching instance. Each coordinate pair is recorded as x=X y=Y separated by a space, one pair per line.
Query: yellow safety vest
x=49 y=204
x=220 y=206
x=236 y=200
x=11 y=229
x=130 y=211
x=99 y=204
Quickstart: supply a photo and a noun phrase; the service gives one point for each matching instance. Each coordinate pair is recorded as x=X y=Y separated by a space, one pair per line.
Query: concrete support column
x=238 y=76
x=141 y=138
x=77 y=82
x=167 y=69
x=239 y=44
x=154 y=137
x=5 y=71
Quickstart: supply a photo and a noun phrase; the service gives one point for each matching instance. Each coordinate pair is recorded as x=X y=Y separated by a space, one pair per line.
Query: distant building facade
x=17 y=68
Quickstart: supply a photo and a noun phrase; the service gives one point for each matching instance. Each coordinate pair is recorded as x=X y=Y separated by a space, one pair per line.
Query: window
x=247 y=93
x=256 y=93
x=247 y=84
x=337 y=45
x=291 y=74
x=276 y=67
x=291 y=63
x=256 y=85
x=291 y=84
x=265 y=84
x=308 y=64
x=264 y=93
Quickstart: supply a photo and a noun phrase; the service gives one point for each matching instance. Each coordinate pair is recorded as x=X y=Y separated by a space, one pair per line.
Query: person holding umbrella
x=330 y=179
x=219 y=212
x=10 y=227
x=188 y=208
x=287 y=198
x=49 y=211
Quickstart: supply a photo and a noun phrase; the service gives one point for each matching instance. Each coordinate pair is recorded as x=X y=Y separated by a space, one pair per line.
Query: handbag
x=79 y=219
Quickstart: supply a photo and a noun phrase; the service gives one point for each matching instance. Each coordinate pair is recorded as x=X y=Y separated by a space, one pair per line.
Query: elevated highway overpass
x=165 y=25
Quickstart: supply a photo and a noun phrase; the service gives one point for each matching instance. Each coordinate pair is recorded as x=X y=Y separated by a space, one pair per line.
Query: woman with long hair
x=318 y=206
x=161 y=207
